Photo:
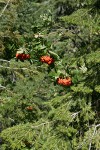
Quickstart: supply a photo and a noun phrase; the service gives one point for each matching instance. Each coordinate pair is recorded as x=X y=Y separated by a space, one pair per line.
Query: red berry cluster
x=66 y=81
x=47 y=59
x=22 y=56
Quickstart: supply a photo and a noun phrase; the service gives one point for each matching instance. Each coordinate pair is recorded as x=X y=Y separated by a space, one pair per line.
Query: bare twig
x=42 y=124
x=93 y=135
x=4 y=60
x=4 y=8
x=84 y=141
x=2 y=87
x=75 y=114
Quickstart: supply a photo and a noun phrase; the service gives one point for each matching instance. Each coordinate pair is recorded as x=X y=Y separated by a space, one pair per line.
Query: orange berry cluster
x=29 y=108
x=22 y=56
x=66 y=81
x=47 y=59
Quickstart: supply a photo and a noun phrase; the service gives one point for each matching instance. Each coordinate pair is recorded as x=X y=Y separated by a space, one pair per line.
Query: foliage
x=61 y=117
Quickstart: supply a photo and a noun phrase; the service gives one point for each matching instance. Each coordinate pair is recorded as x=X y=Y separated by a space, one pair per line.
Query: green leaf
x=97 y=88
x=54 y=55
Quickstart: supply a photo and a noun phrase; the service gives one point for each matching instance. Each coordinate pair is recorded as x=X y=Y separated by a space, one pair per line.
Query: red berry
x=65 y=82
x=47 y=59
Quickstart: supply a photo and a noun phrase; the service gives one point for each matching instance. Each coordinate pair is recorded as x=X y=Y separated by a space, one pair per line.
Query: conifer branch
x=36 y=72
